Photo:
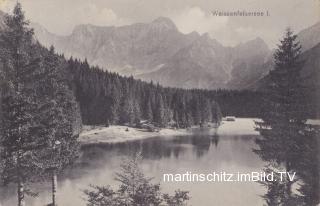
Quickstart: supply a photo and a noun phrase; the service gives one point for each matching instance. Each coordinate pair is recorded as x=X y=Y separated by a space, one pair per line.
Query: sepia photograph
x=159 y=103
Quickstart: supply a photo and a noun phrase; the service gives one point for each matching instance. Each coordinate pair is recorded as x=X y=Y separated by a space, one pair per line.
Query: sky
x=61 y=16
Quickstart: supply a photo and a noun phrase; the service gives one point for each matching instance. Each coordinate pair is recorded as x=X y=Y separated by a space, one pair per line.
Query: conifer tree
x=40 y=114
x=206 y=114
x=196 y=111
x=127 y=114
x=284 y=116
x=285 y=101
x=159 y=113
x=137 y=114
x=216 y=112
x=149 y=114
x=21 y=138
x=59 y=119
x=115 y=105
x=135 y=189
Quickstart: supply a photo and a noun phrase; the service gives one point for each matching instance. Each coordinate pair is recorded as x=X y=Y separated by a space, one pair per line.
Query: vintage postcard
x=159 y=103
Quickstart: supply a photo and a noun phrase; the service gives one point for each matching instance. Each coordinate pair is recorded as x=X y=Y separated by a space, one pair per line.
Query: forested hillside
x=107 y=97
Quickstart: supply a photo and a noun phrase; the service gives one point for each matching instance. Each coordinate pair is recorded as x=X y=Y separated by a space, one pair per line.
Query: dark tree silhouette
x=285 y=137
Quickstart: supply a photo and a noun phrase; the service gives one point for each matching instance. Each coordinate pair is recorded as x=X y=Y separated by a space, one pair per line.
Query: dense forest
x=107 y=97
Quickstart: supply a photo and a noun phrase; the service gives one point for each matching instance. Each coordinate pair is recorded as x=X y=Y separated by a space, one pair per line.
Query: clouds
x=195 y=19
x=61 y=16
x=229 y=31
x=90 y=13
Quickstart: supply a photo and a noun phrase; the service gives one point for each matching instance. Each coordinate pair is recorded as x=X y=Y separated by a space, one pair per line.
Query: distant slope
x=309 y=37
x=310 y=71
x=202 y=64
x=208 y=64
x=251 y=62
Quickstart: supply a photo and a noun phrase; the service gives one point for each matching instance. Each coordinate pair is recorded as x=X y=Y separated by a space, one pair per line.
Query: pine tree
x=168 y=116
x=115 y=105
x=40 y=115
x=285 y=102
x=137 y=114
x=160 y=112
x=196 y=111
x=127 y=114
x=21 y=138
x=149 y=114
x=284 y=116
x=58 y=119
x=135 y=189
x=284 y=106
x=206 y=113
x=216 y=113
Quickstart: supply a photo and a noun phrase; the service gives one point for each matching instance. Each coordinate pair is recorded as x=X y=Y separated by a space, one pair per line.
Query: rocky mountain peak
x=163 y=23
x=254 y=47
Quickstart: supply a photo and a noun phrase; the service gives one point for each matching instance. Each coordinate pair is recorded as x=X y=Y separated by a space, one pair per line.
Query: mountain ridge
x=159 y=52
x=154 y=51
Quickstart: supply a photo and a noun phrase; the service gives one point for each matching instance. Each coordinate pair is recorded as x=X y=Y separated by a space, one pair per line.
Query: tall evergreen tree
x=149 y=114
x=284 y=116
x=160 y=112
x=216 y=113
x=285 y=102
x=206 y=114
x=40 y=115
x=58 y=119
x=127 y=114
x=137 y=114
x=115 y=105
x=196 y=111
x=21 y=138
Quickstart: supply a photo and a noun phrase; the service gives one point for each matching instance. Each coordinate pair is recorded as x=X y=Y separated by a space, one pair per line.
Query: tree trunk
x=21 y=200
x=288 y=182
x=54 y=188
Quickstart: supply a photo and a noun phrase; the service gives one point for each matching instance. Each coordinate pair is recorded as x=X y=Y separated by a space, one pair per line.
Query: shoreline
x=118 y=134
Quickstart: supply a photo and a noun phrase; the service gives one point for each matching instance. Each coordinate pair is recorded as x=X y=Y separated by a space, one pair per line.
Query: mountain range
x=159 y=52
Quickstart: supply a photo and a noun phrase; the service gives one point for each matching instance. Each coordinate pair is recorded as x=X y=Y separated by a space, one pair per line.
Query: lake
x=200 y=153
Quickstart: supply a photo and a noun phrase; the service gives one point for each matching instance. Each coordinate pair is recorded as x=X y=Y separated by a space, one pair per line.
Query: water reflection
x=153 y=149
x=291 y=150
x=197 y=154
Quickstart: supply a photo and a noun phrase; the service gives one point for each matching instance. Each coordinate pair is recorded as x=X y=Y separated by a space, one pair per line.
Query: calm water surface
x=196 y=154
